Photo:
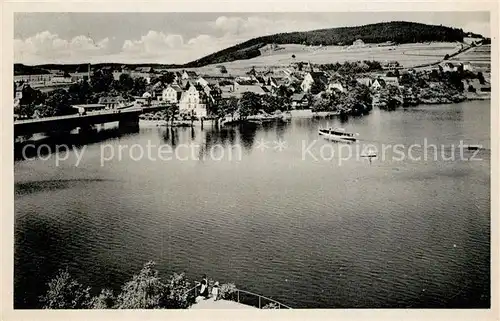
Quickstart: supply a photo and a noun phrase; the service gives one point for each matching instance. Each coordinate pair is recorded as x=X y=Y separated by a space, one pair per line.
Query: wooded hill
x=397 y=31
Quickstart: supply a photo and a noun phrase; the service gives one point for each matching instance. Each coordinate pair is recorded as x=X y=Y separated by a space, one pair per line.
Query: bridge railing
x=257 y=300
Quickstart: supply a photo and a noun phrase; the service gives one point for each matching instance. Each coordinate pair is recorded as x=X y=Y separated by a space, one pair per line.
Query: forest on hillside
x=397 y=31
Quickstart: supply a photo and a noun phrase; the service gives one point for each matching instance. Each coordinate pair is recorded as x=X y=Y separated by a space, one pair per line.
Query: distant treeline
x=21 y=69
x=397 y=31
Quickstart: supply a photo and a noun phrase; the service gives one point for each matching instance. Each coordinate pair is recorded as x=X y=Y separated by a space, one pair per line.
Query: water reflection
x=71 y=141
x=247 y=135
x=170 y=136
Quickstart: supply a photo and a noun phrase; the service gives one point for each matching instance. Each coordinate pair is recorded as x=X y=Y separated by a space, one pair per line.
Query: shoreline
x=296 y=113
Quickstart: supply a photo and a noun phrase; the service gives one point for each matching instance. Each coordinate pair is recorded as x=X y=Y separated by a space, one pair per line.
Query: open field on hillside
x=479 y=57
x=408 y=55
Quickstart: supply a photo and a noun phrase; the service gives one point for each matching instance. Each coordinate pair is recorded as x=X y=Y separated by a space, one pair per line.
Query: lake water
x=304 y=228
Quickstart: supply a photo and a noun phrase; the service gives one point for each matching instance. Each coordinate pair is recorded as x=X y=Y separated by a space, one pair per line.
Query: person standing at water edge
x=215 y=290
x=204 y=286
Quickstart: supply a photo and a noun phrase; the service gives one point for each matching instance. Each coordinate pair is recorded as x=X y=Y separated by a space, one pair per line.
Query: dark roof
x=246 y=82
x=319 y=76
x=191 y=73
x=381 y=82
x=175 y=87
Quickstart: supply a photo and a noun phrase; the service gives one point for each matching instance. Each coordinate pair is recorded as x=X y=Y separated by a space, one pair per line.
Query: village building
x=378 y=84
x=364 y=81
x=238 y=90
x=202 y=82
x=193 y=102
x=467 y=66
x=391 y=81
x=86 y=108
x=299 y=101
x=172 y=94
x=448 y=67
x=335 y=85
x=117 y=74
x=308 y=67
x=243 y=82
x=111 y=102
x=157 y=90
x=311 y=78
x=61 y=78
x=142 y=72
x=393 y=64
x=259 y=80
x=277 y=81
x=80 y=76
x=188 y=74
x=33 y=79
x=213 y=92
x=19 y=90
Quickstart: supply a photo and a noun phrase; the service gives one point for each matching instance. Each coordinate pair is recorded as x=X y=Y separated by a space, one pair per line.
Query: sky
x=182 y=37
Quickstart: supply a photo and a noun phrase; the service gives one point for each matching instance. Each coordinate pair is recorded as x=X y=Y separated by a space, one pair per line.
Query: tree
x=58 y=103
x=25 y=110
x=167 y=77
x=31 y=96
x=101 y=81
x=126 y=83
x=284 y=91
x=147 y=291
x=80 y=93
x=321 y=103
x=406 y=79
x=177 y=296
x=139 y=86
x=271 y=104
x=229 y=106
x=144 y=291
x=105 y=300
x=293 y=56
x=249 y=104
x=66 y=293
x=222 y=69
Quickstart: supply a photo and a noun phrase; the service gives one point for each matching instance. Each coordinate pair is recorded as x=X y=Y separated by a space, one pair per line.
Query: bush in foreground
x=146 y=290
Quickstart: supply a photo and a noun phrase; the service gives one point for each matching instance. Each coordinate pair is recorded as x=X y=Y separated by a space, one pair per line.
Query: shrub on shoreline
x=145 y=290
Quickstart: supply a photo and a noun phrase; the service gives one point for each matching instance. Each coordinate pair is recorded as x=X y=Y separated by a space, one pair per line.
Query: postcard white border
x=7 y=186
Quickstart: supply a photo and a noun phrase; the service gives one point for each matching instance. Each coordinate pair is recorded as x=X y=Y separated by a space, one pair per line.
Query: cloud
x=171 y=48
x=153 y=42
x=257 y=25
x=48 y=47
x=153 y=45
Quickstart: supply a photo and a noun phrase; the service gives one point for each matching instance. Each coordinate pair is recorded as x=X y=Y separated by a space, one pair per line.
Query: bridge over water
x=125 y=117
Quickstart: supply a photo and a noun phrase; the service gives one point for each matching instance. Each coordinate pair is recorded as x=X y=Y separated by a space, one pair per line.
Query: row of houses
x=194 y=93
x=56 y=77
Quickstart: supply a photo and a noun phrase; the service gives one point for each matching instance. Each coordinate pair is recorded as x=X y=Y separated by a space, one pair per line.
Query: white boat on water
x=337 y=135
